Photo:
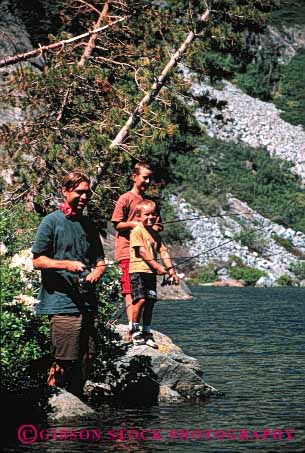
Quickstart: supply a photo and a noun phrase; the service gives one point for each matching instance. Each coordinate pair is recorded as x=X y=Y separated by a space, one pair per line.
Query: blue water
x=251 y=345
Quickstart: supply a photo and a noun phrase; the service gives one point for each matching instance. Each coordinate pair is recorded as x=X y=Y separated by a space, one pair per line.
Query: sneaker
x=149 y=340
x=138 y=339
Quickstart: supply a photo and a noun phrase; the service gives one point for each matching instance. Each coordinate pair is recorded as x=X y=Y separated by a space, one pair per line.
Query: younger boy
x=145 y=245
x=124 y=221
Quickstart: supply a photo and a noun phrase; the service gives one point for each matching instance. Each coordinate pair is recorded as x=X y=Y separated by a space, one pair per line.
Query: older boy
x=145 y=245
x=124 y=221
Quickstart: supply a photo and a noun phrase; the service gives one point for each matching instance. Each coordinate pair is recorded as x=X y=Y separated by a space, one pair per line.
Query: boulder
x=265 y=282
x=143 y=375
x=63 y=404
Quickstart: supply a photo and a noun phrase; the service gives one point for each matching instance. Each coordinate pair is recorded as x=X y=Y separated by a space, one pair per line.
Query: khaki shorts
x=73 y=336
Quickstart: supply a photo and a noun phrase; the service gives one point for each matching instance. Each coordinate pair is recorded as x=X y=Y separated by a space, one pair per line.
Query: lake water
x=251 y=345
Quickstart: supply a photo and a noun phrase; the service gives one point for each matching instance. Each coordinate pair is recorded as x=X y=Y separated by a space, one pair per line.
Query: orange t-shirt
x=151 y=241
x=124 y=211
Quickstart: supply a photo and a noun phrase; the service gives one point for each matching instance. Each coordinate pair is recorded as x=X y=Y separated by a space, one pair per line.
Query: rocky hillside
x=234 y=116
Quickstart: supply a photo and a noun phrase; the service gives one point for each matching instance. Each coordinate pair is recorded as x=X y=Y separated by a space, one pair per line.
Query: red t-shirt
x=124 y=211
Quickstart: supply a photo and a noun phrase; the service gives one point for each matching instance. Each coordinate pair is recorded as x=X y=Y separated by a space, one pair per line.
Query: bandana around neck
x=67 y=210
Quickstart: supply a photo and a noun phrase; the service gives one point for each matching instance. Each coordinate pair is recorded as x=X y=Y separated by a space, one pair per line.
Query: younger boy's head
x=146 y=212
x=141 y=176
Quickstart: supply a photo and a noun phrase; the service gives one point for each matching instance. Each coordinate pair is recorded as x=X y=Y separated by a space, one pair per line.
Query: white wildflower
x=28 y=301
x=3 y=249
x=23 y=260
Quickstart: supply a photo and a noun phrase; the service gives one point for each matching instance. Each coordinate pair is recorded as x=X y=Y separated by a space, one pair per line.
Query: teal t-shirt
x=63 y=238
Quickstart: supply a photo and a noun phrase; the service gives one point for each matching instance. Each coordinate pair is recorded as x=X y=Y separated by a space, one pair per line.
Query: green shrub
x=260 y=77
x=285 y=280
x=206 y=274
x=291 y=90
x=252 y=238
x=298 y=268
x=24 y=337
x=250 y=275
x=17 y=228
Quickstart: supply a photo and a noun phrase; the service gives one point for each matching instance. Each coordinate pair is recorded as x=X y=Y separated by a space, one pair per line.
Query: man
x=69 y=252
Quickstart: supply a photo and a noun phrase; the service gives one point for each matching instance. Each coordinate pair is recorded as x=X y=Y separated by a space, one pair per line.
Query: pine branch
x=37 y=52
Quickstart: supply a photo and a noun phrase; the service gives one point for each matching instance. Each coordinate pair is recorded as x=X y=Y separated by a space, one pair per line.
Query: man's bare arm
x=44 y=262
x=96 y=272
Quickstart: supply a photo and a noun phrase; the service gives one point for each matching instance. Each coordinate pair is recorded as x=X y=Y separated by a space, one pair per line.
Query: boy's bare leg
x=137 y=338
x=137 y=308
x=147 y=313
x=129 y=307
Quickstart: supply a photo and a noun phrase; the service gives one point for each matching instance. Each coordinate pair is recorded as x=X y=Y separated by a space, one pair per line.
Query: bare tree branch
x=135 y=116
x=33 y=53
x=91 y=43
x=149 y=97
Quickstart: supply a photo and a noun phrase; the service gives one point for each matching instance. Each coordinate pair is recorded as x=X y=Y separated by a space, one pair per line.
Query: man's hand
x=96 y=273
x=75 y=266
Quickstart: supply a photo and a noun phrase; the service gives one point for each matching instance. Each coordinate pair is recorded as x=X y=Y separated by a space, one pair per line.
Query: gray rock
x=265 y=282
x=146 y=375
x=302 y=283
x=65 y=405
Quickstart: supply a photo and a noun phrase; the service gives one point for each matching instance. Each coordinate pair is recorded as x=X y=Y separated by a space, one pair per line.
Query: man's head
x=76 y=190
x=141 y=176
x=146 y=212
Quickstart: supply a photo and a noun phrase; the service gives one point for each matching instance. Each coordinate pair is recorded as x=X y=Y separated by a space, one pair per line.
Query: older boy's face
x=148 y=215
x=143 y=179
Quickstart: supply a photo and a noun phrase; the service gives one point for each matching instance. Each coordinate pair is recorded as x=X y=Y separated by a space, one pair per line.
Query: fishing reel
x=85 y=288
x=167 y=280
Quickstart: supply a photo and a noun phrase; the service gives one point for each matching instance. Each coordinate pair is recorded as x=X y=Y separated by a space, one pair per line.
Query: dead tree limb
x=37 y=52
x=91 y=43
x=135 y=116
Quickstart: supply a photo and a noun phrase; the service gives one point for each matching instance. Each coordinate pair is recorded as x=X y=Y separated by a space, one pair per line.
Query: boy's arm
x=120 y=215
x=168 y=264
x=125 y=225
x=153 y=264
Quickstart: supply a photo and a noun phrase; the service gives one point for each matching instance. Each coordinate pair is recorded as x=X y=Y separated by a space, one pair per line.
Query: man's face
x=143 y=179
x=78 y=197
x=148 y=215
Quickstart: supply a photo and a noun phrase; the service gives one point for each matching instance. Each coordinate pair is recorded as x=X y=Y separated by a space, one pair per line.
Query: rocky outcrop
x=216 y=239
x=282 y=43
x=228 y=282
x=143 y=375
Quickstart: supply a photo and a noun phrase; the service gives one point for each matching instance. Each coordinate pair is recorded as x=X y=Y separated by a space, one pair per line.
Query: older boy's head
x=146 y=212
x=142 y=176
